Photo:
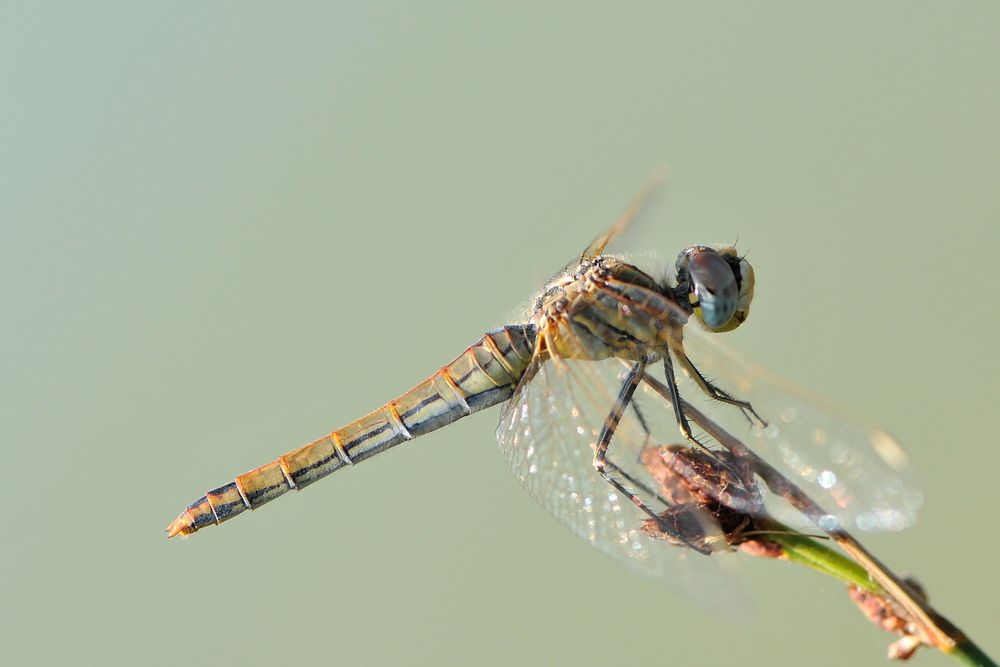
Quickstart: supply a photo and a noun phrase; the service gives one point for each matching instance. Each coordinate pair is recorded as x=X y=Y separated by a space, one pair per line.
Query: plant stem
x=810 y=552
x=970 y=654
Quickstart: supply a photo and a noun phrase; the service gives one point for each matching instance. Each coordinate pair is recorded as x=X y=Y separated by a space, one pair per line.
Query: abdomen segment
x=482 y=376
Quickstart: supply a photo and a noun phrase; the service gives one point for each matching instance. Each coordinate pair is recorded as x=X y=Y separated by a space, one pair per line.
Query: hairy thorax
x=603 y=308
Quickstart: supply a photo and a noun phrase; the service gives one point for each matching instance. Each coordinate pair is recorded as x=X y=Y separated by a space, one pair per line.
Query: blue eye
x=714 y=286
x=719 y=285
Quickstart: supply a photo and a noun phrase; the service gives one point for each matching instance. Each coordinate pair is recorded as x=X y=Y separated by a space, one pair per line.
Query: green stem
x=970 y=654
x=810 y=552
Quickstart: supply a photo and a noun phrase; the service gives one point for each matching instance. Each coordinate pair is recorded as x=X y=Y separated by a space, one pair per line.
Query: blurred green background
x=228 y=229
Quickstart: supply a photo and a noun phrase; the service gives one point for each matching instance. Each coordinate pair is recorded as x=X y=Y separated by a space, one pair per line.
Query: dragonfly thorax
x=604 y=308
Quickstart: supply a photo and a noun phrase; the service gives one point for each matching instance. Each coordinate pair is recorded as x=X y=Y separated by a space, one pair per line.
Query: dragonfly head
x=718 y=283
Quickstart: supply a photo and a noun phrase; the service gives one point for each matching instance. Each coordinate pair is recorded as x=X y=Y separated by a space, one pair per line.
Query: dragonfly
x=610 y=365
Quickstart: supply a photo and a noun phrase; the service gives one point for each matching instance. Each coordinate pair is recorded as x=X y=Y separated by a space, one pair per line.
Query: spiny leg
x=715 y=392
x=606 y=468
x=674 y=396
x=640 y=417
x=642 y=420
x=635 y=405
x=643 y=423
x=675 y=401
x=645 y=429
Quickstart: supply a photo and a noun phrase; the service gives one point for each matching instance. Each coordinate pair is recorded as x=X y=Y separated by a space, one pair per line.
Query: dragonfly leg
x=638 y=414
x=634 y=404
x=715 y=392
x=645 y=428
x=610 y=472
x=675 y=401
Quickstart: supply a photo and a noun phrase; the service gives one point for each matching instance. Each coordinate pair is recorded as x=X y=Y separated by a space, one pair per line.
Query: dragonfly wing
x=639 y=205
x=857 y=472
x=548 y=432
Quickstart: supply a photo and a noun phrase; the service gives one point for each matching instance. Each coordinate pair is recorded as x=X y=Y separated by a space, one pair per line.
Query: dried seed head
x=881 y=611
x=693 y=475
x=714 y=501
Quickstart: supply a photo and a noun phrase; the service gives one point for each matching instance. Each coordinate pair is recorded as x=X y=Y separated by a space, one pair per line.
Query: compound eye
x=714 y=289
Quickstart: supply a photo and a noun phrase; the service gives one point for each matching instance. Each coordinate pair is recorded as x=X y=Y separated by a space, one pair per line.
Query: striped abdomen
x=482 y=376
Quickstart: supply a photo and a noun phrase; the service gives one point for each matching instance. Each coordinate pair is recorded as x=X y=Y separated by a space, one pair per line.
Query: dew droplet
x=828 y=522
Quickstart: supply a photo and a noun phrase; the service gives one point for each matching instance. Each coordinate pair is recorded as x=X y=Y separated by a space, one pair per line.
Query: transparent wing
x=857 y=472
x=639 y=205
x=548 y=432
